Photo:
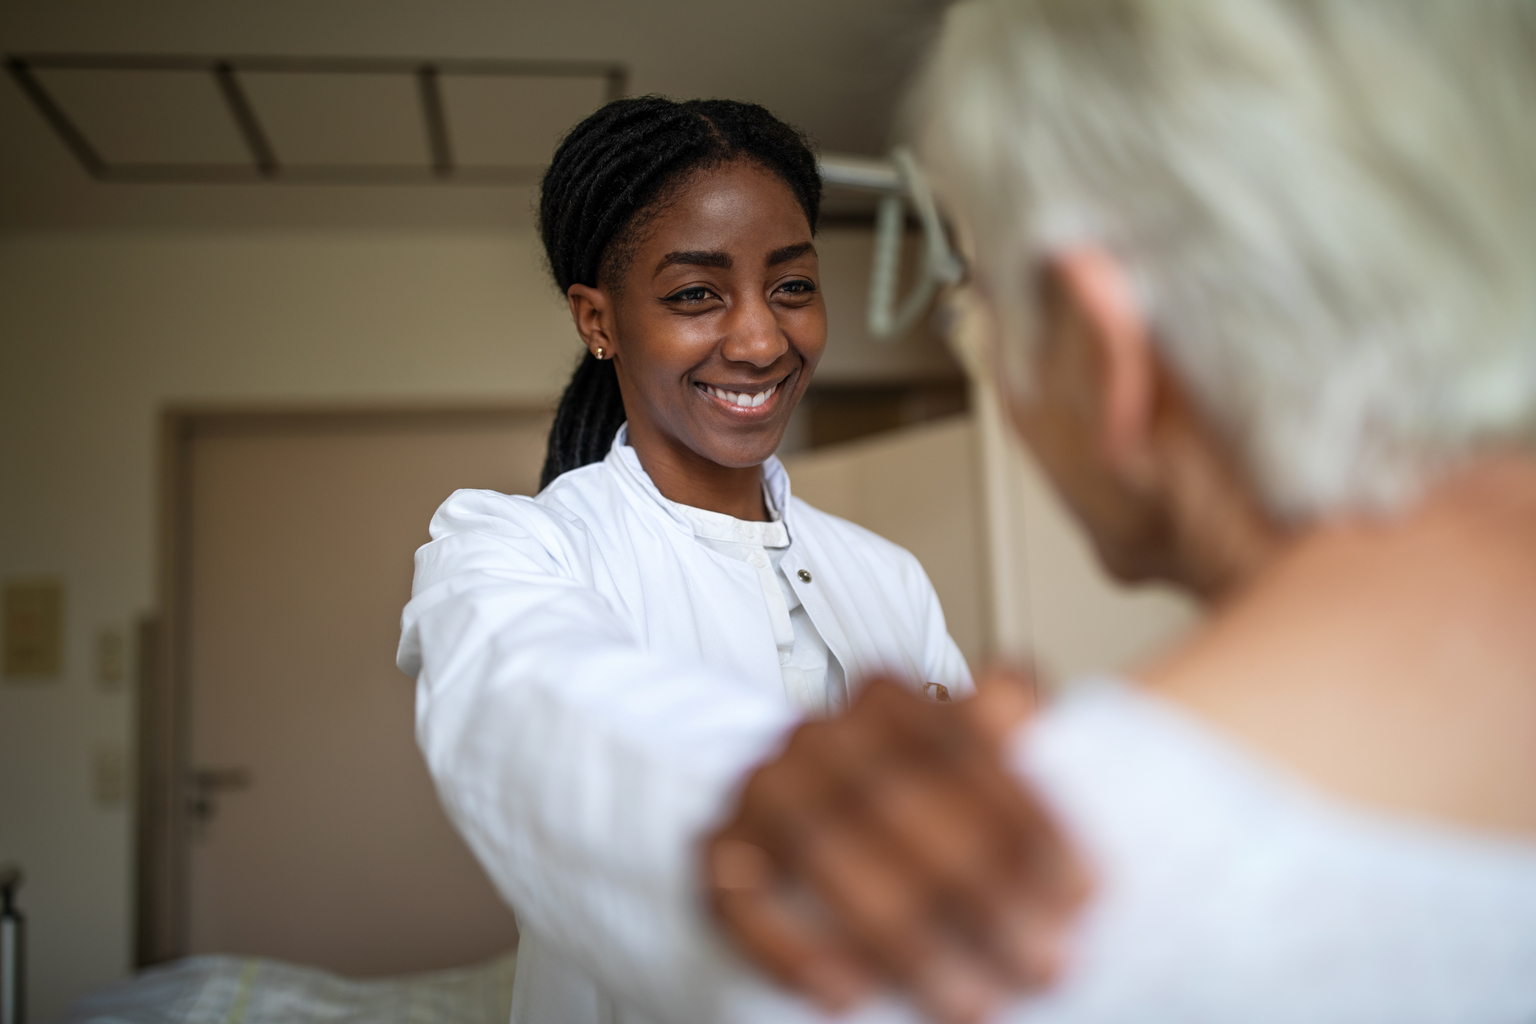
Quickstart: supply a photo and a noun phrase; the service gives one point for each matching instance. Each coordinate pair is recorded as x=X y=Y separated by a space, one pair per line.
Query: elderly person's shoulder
x=1230 y=888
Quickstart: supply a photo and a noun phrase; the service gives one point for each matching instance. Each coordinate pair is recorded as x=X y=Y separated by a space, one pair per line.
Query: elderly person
x=1259 y=283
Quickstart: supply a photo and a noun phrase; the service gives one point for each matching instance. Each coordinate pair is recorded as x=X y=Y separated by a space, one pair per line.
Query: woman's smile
x=744 y=400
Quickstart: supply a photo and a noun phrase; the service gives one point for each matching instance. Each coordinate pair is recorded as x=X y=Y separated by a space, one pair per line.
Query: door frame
x=162 y=821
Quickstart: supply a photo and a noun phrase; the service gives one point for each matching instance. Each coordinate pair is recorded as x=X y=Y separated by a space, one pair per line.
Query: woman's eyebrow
x=788 y=253
x=695 y=258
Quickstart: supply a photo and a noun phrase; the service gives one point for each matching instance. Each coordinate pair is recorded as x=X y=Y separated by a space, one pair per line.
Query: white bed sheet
x=249 y=990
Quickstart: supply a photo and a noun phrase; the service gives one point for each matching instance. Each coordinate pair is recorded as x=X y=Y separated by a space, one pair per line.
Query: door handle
x=207 y=783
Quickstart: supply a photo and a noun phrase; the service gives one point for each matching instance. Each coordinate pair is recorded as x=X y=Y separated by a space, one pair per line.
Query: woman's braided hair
x=613 y=171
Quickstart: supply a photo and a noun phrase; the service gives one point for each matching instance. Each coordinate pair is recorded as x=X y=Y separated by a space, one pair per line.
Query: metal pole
x=13 y=950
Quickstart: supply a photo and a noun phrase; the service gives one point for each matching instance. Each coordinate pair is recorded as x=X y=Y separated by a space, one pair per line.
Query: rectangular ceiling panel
x=326 y=119
x=501 y=121
x=157 y=117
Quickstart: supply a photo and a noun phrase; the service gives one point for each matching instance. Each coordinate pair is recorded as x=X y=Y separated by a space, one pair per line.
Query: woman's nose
x=754 y=335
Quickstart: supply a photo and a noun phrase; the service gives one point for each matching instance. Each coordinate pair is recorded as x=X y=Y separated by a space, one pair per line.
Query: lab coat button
x=805 y=576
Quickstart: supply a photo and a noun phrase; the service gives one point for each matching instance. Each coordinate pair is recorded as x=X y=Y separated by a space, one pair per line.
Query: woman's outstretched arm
x=581 y=770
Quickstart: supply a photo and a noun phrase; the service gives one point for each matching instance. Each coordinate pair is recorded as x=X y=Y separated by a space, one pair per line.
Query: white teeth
x=740 y=399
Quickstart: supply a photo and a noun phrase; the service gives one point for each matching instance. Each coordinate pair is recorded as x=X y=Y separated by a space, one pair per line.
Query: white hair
x=1327 y=211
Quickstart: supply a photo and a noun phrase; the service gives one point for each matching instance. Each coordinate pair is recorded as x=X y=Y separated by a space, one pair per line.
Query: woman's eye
x=798 y=287
x=698 y=293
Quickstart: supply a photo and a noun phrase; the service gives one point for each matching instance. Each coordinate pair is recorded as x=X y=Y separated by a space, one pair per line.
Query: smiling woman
x=749 y=193
x=714 y=328
x=602 y=667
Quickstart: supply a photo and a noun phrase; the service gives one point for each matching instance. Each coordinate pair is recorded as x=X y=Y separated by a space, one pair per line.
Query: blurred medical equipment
x=899 y=182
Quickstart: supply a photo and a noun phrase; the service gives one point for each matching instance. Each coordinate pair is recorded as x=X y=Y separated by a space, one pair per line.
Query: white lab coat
x=593 y=684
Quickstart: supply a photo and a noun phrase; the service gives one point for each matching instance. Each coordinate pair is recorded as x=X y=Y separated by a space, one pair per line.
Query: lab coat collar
x=627 y=463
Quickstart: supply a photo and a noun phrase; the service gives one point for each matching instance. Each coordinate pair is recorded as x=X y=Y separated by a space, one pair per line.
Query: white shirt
x=593 y=683
x=813 y=680
x=1230 y=891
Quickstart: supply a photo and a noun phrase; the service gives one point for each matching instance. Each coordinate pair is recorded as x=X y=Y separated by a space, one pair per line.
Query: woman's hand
x=891 y=845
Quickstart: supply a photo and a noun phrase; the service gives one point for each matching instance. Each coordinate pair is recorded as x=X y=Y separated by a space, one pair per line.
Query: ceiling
x=833 y=68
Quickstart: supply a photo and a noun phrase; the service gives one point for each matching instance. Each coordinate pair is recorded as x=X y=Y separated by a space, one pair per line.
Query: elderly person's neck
x=1414 y=630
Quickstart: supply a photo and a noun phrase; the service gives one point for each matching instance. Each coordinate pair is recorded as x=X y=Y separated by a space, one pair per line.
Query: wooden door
x=315 y=834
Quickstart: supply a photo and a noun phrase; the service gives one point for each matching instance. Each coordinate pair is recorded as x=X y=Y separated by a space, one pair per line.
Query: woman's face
x=718 y=322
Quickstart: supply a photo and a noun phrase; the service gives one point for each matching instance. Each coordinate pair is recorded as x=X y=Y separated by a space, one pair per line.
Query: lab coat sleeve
x=582 y=770
x=942 y=660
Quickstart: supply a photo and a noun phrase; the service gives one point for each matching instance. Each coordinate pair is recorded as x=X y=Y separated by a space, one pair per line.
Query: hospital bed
x=250 y=990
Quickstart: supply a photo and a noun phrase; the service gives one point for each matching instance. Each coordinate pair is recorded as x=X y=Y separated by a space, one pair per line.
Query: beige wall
x=98 y=332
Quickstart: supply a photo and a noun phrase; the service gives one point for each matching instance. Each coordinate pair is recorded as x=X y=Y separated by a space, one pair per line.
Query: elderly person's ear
x=1096 y=333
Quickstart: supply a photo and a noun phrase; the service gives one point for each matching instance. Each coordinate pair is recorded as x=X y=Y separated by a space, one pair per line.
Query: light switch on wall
x=33 y=627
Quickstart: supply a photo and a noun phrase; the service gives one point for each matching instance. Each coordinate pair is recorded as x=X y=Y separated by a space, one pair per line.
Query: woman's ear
x=1103 y=307
x=592 y=310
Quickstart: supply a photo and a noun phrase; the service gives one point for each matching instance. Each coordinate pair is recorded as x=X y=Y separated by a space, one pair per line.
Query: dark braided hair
x=612 y=172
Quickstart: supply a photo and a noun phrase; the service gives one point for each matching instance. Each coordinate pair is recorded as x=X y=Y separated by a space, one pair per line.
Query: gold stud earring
x=599 y=351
